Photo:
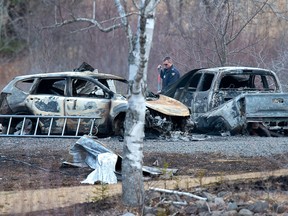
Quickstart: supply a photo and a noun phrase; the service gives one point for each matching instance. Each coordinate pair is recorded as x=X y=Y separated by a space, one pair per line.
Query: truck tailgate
x=266 y=106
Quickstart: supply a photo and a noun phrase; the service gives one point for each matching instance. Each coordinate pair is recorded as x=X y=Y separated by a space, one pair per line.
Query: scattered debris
x=179 y=135
x=89 y=152
x=104 y=170
x=84 y=67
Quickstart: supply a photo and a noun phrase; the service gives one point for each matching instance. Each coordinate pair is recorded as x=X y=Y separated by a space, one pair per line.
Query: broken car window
x=234 y=82
x=119 y=87
x=51 y=86
x=241 y=82
x=25 y=85
x=271 y=83
x=194 y=81
x=258 y=82
x=264 y=83
x=85 y=88
x=206 y=82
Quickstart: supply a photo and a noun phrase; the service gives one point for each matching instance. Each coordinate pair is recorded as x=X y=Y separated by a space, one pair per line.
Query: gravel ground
x=230 y=146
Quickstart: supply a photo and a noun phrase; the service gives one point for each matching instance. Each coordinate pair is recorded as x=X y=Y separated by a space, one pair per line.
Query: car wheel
x=4 y=129
x=27 y=129
x=119 y=126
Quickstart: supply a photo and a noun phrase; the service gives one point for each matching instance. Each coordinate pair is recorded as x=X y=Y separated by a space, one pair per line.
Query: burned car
x=234 y=99
x=70 y=102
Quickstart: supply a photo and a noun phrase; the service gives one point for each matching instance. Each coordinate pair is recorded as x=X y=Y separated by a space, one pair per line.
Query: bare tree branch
x=178 y=192
x=279 y=14
x=95 y=23
x=247 y=22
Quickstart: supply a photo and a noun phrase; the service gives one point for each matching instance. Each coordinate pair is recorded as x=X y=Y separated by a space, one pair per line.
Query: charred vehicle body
x=234 y=99
x=84 y=94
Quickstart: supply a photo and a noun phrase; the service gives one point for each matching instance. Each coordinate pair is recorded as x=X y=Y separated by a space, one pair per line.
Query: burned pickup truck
x=77 y=103
x=236 y=100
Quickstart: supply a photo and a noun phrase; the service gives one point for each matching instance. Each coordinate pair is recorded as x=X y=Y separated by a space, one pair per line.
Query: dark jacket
x=169 y=76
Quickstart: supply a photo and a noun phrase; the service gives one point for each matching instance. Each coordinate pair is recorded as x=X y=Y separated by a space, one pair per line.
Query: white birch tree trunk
x=139 y=49
x=132 y=178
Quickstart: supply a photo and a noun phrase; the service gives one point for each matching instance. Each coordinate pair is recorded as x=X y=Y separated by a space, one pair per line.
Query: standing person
x=169 y=74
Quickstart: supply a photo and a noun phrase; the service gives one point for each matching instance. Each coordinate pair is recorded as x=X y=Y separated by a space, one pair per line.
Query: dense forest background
x=195 y=33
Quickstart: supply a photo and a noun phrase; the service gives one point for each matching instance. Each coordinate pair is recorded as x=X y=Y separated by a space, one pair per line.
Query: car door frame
x=97 y=108
x=45 y=104
x=200 y=103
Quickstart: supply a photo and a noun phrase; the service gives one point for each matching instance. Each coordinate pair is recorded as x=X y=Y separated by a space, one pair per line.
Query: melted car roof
x=73 y=73
x=236 y=69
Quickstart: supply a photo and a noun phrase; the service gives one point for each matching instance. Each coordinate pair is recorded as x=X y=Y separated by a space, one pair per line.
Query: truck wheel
x=220 y=125
x=258 y=129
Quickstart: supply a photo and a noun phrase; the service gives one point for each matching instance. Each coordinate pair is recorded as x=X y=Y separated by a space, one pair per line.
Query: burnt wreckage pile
x=224 y=100
x=83 y=101
x=233 y=100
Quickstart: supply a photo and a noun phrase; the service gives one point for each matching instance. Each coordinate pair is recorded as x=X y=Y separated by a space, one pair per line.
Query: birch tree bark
x=139 y=43
x=132 y=183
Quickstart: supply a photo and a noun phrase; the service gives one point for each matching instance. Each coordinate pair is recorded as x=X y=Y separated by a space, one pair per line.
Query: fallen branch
x=184 y=203
x=178 y=192
x=161 y=201
x=208 y=207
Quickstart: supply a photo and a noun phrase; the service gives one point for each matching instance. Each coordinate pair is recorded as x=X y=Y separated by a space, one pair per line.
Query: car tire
x=28 y=129
x=118 y=125
x=4 y=129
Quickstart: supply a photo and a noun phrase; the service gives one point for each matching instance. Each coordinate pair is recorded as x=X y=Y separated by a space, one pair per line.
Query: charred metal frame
x=57 y=98
x=231 y=99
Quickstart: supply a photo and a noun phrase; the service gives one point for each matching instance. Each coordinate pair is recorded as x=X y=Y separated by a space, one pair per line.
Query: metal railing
x=21 y=121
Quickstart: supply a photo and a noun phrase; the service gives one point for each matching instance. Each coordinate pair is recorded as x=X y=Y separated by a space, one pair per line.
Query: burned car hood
x=168 y=106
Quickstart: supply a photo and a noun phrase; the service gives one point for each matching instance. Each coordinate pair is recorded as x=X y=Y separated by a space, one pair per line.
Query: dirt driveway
x=32 y=177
